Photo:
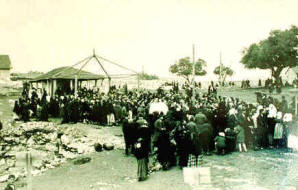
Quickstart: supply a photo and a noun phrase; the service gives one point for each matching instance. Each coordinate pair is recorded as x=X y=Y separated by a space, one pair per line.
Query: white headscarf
x=260 y=107
x=232 y=111
x=272 y=111
x=48 y=98
x=222 y=134
x=288 y=117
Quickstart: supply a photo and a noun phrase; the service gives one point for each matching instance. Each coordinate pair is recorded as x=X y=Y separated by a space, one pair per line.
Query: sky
x=41 y=35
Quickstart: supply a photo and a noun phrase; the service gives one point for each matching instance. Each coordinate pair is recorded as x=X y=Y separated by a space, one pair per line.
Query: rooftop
x=5 y=62
x=68 y=73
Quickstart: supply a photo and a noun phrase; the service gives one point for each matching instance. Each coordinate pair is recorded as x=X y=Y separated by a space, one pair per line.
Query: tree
x=275 y=53
x=222 y=72
x=184 y=68
x=145 y=76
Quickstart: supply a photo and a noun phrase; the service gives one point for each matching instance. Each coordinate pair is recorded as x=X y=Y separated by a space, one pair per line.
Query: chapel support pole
x=76 y=86
x=109 y=84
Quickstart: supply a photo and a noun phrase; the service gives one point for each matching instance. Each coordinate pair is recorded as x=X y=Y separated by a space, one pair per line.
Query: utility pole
x=193 y=71
x=220 y=67
x=194 y=62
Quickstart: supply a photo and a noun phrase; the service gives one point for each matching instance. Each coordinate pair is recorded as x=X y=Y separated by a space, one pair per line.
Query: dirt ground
x=249 y=94
x=109 y=170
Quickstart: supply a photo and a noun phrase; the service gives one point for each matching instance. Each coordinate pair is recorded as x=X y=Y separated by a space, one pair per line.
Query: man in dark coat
x=74 y=111
x=182 y=138
x=130 y=134
x=165 y=152
x=230 y=135
x=43 y=112
x=24 y=110
x=65 y=111
x=54 y=107
x=17 y=108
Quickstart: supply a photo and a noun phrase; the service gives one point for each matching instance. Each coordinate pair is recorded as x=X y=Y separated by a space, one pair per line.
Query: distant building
x=25 y=76
x=5 y=67
x=63 y=78
x=296 y=70
x=289 y=74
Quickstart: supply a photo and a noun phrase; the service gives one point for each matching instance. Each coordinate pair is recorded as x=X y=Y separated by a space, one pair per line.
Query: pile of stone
x=49 y=145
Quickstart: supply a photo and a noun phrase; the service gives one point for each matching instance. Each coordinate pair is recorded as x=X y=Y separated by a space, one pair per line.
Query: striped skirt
x=142 y=169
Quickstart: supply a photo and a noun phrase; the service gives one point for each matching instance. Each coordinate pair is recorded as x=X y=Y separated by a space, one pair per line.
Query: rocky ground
x=50 y=145
x=10 y=88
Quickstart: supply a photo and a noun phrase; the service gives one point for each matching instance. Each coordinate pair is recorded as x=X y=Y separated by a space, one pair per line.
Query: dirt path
x=266 y=170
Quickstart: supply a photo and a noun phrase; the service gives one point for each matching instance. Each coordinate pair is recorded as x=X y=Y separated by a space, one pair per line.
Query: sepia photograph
x=148 y=94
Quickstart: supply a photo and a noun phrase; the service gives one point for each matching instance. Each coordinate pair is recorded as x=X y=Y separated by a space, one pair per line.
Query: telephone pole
x=193 y=71
x=220 y=69
x=193 y=63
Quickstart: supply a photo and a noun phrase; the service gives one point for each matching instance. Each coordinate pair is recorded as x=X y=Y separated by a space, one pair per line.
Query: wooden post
x=71 y=86
x=54 y=87
x=29 y=168
x=48 y=87
x=76 y=86
x=109 y=84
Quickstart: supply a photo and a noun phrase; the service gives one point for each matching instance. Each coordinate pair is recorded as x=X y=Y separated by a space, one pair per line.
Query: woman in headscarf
x=142 y=148
x=17 y=107
x=240 y=138
x=44 y=115
x=278 y=130
x=272 y=111
x=220 y=143
x=195 y=146
x=287 y=122
x=232 y=118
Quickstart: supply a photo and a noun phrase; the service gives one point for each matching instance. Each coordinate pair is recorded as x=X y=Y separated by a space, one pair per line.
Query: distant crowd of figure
x=195 y=123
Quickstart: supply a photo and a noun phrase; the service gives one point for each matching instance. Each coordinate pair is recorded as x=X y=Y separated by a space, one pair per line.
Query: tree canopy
x=145 y=76
x=276 y=52
x=222 y=72
x=184 y=68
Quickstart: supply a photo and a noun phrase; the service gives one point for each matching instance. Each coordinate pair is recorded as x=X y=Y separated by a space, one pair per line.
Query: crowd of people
x=193 y=124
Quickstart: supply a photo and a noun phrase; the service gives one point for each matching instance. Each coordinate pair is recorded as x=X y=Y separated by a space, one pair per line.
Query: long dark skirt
x=142 y=168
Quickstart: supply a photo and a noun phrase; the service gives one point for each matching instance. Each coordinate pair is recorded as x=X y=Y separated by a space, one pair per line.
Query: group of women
x=193 y=124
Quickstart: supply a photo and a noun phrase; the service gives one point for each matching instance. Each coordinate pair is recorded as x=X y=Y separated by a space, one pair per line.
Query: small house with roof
x=5 y=67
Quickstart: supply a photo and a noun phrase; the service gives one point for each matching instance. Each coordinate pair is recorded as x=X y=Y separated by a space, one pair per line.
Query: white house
x=289 y=74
